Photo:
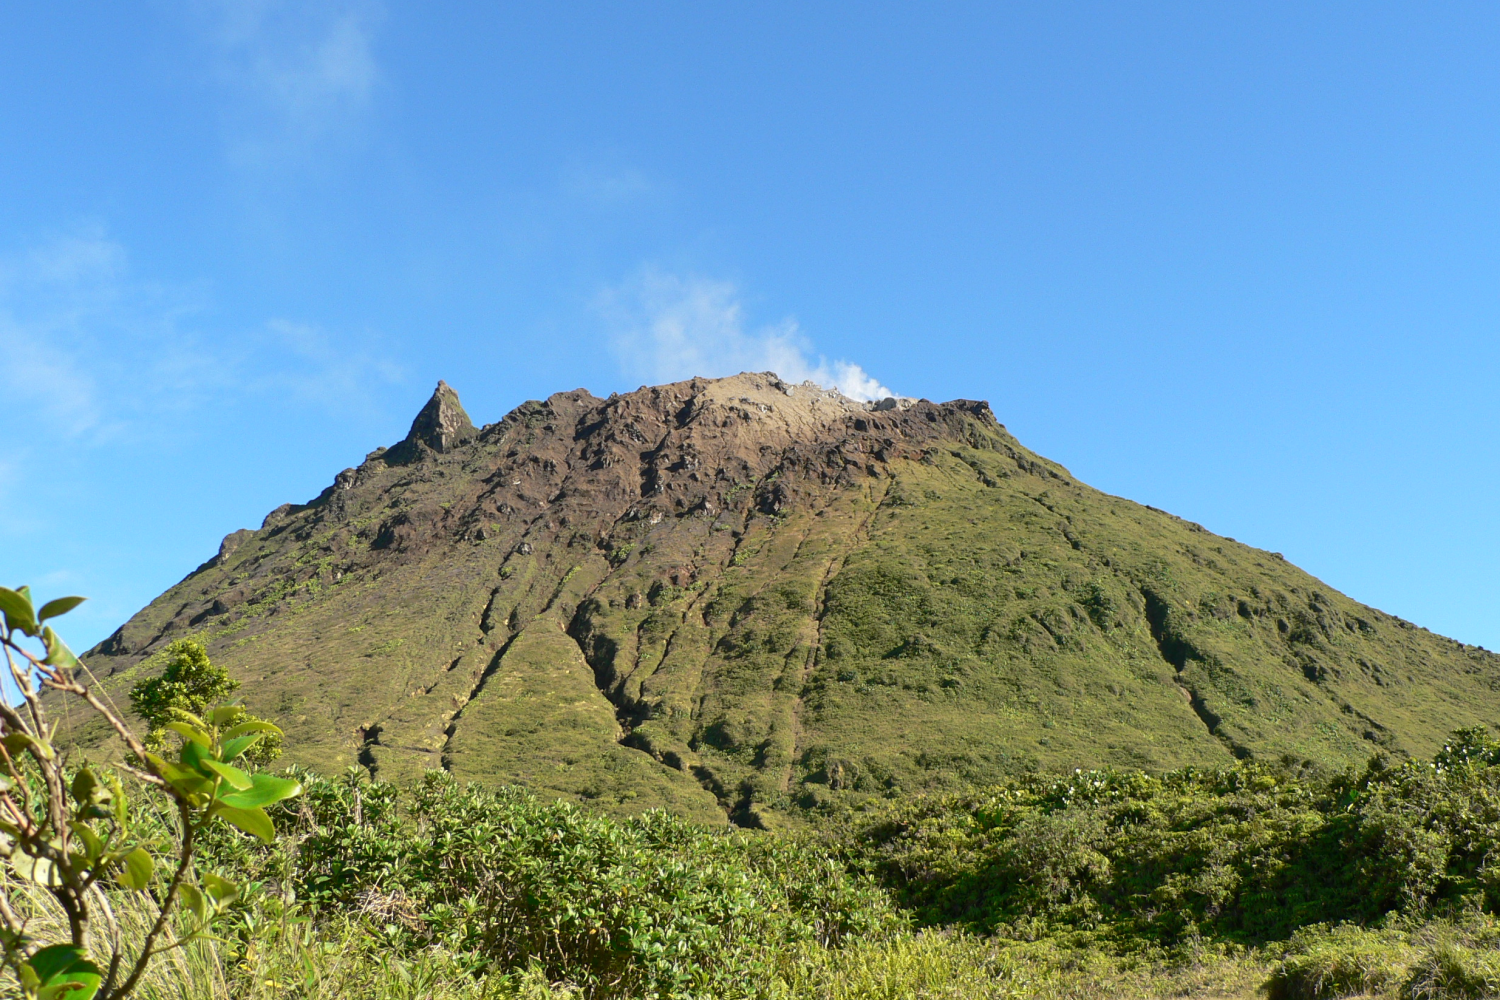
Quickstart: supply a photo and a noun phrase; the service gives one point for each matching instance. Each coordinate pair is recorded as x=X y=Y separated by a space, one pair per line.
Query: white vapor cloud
x=666 y=328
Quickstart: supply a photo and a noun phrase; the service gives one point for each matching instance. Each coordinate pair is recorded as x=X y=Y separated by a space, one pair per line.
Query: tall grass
x=289 y=957
x=186 y=970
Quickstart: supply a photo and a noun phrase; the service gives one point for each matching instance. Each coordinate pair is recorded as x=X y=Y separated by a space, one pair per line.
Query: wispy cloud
x=97 y=353
x=84 y=346
x=321 y=369
x=301 y=73
x=665 y=328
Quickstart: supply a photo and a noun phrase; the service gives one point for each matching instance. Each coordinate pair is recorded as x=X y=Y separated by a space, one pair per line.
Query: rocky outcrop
x=441 y=426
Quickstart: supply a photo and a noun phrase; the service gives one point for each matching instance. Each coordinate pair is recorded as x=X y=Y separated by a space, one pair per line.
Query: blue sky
x=1237 y=261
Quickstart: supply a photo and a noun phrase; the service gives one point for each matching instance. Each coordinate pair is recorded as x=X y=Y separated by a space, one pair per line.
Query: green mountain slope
x=739 y=598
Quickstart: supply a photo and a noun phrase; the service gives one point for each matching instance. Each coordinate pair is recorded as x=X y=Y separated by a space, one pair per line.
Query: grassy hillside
x=744 y=601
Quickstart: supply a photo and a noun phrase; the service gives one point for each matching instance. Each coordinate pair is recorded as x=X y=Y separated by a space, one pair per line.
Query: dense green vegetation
x=648 y=904
x=1248 y=854
x=1106 y=883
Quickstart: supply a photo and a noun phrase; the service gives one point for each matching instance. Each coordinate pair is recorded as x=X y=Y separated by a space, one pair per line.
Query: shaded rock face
x=745 y=600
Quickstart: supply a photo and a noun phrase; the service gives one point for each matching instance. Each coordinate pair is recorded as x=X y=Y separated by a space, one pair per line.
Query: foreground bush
x=1101 y=884
x=649 y=904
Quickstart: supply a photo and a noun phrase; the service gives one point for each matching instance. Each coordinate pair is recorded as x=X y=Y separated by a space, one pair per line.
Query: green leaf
x=48 y=962
x=18 y=741
x=84 y=785
x=180 y=778
x=230 y=749
x=16 y=606
x=169 y=771
x=237 y=779
x=64 y=973
x=58 y=653
x=252 y=726
x=193 y=755
x=93 y=847
x=220 y=890
x=88 y=790
x=30 y=981
x=265 y=791
x=183 y=715
x=194 y=901
x=226 y=714
x=81 y=983
x=139 y=867
x=38 y=870
x=190 y=733
x=253 y=821
x=60 y=606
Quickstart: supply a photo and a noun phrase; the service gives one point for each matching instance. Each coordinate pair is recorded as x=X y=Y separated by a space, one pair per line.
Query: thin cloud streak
x=665 y=328
x=327 y=372
x=99 y=354
x=300 y=74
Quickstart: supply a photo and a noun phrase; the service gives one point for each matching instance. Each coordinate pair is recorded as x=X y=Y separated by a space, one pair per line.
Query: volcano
x=749 y=601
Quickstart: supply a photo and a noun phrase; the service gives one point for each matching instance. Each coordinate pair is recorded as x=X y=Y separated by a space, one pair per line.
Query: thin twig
x=123 y=731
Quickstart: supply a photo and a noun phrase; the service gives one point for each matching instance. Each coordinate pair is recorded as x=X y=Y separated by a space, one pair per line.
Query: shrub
x=1454 y=972
x=651 y=902
x=190 y=683
x=348 y=837
x=1249 y=853
x=68 y=834
x=649 y=905
x=1341 y=962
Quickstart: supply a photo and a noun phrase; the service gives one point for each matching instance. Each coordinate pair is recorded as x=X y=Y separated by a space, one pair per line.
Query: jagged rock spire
x=442 y=423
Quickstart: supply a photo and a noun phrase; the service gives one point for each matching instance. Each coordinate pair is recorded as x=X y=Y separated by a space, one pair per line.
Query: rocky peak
x=440 y=425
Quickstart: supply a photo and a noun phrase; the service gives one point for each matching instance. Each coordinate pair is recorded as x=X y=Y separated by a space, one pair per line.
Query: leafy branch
x=69 y=830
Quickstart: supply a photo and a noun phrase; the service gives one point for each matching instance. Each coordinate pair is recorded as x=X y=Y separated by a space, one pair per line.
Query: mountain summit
x=743 y=599
x=441 y=425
